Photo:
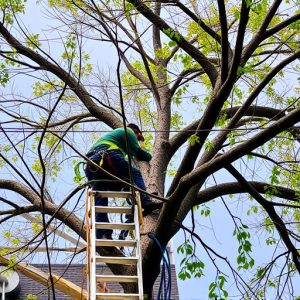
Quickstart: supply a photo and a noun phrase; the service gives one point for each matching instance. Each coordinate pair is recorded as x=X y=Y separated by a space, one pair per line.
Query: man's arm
x=135 y=148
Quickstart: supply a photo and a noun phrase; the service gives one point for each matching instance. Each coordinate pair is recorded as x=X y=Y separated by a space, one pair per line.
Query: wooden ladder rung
x=117 y=260
x=116 y=278
x=113 y=209
x=116 y=296
x=116 y=243
x=113 y=194
x=124 y=226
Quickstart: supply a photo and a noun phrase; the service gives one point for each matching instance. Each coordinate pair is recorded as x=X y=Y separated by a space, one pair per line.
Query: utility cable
x=164 y=292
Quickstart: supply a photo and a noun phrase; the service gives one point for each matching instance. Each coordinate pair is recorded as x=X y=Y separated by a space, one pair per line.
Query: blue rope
x=164 y=292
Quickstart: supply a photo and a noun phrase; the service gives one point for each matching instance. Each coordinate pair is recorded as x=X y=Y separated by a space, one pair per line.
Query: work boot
x=150 y=206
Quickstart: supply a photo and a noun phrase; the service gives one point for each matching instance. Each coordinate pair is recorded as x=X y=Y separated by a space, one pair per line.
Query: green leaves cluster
x=11 y=239
x=275 y=178
x=216 y=289
x=193 y=139
x=33 y=41
x=4 y=74
x=10 y=8
x=191 y=266
x=172 y=34
x=244 y=259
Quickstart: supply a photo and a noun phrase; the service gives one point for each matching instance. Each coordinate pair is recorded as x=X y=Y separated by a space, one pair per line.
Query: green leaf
x=33 y=41
x=7 y=234
x=15 y=241
x=193 y=140
x=172 y=43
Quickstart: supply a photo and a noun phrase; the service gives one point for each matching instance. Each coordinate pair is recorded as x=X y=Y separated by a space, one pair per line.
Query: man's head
x=137 y=131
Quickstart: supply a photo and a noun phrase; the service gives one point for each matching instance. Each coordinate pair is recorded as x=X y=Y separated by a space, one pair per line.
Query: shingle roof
x=75 y=273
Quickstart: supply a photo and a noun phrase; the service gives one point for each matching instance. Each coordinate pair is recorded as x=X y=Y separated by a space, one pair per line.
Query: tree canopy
x=213 y=85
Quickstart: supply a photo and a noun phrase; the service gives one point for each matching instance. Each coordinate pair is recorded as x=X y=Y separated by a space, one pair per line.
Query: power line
x=16 y=130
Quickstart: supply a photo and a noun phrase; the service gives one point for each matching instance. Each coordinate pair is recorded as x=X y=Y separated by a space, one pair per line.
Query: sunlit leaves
x=31 y=297
x=7 y=234
x=269 y=225
x=50 y=163
x=203 y=39
x=11 y=7
x=33 y=41
x=253 y=209
x=171 y=171
x=271 y=241
x=36 y=227
x=177 y=99
x=164 y=52
x=176 y=121
x=39 y=88
x=221 y=121
x=68 y=5
x=193 y=139
x=141 y=102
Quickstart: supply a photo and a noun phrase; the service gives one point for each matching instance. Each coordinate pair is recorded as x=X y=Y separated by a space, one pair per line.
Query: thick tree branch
x=238 y=188
x=258 y=37
x=178 y=38
x=102 y=114
x=222 y=136
x=224 y=40
x=232 y=155
x=263 y=34
x=269 y=16
x=62 y=214
x=236 y=61
x=214 y=107
x=197 y=20
x=16 y=212
x=281 y=25
x=257 y=111
x=208 y=118
x=155 y=30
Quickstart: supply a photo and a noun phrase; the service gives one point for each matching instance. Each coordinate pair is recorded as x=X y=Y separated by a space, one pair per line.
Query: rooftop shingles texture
x=75 y=273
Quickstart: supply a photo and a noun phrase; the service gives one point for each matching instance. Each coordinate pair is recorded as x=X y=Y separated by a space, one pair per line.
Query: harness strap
x=105 y=155
x=112 y=146
x=78 y=176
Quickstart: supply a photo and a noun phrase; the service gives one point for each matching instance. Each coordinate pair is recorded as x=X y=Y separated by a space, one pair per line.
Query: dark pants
x=115 y=163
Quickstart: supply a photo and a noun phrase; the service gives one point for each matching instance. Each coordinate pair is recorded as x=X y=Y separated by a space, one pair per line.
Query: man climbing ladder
x=109 y=152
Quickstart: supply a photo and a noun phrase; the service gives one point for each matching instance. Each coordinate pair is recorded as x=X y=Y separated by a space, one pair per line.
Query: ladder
x=93 y=258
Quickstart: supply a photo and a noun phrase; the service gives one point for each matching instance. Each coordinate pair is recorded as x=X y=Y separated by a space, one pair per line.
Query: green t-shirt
x=118 y=138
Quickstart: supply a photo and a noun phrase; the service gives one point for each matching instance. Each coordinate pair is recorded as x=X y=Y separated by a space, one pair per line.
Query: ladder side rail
x=138 y=252
x=88 y=233
x=93 y=284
